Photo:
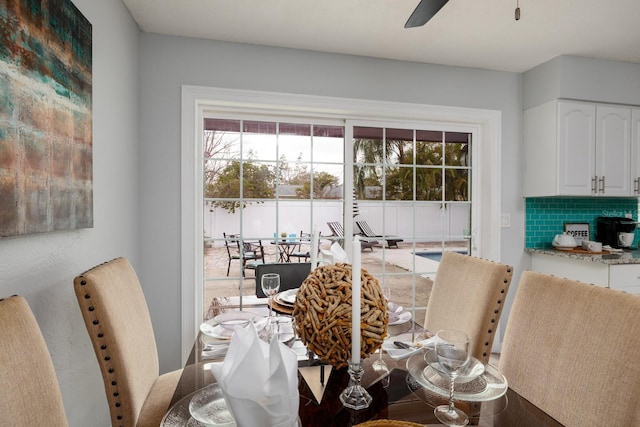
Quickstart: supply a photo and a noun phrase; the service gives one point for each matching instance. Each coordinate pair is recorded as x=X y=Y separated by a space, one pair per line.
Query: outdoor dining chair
x=571 y=349
x=392 y=241
x=292 y=274
x=301 y=253
x=117 y=318
x=249 y=254
x=30 y=390
x=468 y=294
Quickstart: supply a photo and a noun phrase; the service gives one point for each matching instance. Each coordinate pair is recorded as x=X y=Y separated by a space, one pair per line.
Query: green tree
x=323 y=183
x=430 y=181
x=258 y=182
x=216 y=146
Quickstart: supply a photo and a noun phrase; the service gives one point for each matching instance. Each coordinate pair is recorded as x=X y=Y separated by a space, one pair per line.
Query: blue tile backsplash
x=545 y=216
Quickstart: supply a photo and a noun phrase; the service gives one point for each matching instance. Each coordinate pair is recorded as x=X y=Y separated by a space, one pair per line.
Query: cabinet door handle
x=636 y=185
x=594 y=190
x=602 y=184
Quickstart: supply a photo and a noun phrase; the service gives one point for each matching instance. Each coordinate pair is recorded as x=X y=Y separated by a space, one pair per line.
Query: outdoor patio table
x=394 y=398
x=285 y=249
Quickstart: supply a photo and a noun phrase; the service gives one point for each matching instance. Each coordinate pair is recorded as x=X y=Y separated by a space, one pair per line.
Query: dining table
x=395 y=392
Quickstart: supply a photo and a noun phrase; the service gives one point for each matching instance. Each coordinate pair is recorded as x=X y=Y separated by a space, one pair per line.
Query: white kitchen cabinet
x=571 y=268
x=635 y=150
x=623 y=277
x=613 y=150
x=575 y=148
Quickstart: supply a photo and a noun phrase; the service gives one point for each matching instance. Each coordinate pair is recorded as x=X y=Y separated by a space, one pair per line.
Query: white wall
x=169 y=62
x=42 y=267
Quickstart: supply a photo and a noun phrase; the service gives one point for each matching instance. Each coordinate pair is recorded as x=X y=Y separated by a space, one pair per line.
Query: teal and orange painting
x=46 y=146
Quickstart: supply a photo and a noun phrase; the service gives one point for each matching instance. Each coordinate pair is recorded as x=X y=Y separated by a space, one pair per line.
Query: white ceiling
x=469 y=33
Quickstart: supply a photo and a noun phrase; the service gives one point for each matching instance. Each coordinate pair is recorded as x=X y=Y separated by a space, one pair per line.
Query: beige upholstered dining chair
x=30 y=391
x=468 y=294
x=572 y=349
x=117 y=318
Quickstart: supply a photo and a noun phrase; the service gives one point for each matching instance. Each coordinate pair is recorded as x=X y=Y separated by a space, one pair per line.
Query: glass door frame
x=484 y=124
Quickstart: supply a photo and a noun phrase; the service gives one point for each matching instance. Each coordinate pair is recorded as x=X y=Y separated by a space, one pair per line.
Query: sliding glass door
x=404 y=190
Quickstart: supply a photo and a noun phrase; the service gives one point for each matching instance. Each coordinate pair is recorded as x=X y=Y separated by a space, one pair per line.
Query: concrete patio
x=393 y=267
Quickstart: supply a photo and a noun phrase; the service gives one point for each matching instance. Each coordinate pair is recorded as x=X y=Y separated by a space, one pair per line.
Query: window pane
x=222 y=125
x=399 y=183
x=368 y=145
x=224 y=182
x=328 y=144
x=429 y=153
x=399 y=146
x=328 y=181
x=259 y=140
x=457 y=147
x=259 y=180
x=294 y=143
x=429 y=184
x=457 y=185
x=218 y=144
x=295 y=129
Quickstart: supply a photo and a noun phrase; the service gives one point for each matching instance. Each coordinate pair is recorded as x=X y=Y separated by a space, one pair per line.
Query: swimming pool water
x=435 y=256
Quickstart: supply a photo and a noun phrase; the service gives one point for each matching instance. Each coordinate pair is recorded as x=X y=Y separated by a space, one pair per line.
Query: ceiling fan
x=425 y=10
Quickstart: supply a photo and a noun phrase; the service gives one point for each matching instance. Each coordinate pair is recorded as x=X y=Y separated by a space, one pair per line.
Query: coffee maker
x=615 y=231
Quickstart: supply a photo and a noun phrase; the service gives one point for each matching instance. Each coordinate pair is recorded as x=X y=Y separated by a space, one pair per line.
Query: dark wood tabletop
x=395 y=397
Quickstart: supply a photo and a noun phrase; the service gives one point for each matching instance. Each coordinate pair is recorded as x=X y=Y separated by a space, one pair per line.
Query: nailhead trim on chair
x=103 y=348
x=496 y=312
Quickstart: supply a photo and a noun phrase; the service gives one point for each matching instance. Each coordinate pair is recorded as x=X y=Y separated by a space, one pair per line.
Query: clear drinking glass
x=270 y=285
x=379 y=365
x=452 y=351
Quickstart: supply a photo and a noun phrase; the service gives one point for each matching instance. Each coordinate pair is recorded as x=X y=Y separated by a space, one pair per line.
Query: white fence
x=432 y=223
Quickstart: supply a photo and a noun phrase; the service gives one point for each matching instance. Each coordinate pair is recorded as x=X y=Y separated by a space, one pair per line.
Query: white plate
x=230 y=319
x=565 y=248
x=215 y=330
x=288 y=296
x=209 y=407
x=402 y=317
x=473 y=371
x=488 y=386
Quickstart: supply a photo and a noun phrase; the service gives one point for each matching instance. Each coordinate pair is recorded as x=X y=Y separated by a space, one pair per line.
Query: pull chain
x=517 y=10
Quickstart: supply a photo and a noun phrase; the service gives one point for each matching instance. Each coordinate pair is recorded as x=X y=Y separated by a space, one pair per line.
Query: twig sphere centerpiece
x=323 y=314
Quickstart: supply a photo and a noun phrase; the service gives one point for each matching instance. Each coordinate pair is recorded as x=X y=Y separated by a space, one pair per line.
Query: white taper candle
x=315 y=241
x=355 y=301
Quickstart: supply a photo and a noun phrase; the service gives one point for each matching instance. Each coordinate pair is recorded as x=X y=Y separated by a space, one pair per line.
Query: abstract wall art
x=46 y=146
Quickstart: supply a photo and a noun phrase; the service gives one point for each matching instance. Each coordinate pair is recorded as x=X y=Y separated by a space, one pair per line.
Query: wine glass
x=452 y=351
x=379 y=365
x=270 y=285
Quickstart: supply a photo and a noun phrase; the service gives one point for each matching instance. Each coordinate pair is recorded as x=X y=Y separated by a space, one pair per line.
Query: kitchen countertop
x=624 y=257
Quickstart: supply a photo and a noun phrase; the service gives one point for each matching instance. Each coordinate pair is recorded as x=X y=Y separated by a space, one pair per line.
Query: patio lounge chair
x=392 y=241
x=338 y=231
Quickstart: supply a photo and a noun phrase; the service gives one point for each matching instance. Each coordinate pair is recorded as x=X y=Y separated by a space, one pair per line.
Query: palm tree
x=377 y=162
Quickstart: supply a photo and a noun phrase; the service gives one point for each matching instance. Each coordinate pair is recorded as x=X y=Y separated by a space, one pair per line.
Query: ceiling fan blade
x=425 y=10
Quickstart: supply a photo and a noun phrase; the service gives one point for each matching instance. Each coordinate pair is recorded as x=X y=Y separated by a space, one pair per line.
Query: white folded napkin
x=259 y=381
x=334 y=255
x=399 y=353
